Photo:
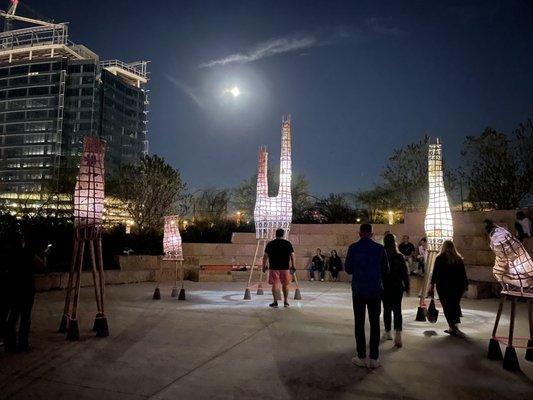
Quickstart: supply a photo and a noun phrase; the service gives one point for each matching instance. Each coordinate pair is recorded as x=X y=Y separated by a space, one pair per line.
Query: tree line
x=495 y=172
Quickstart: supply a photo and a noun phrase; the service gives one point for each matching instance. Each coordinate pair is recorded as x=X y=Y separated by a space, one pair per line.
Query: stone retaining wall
x=469 y=237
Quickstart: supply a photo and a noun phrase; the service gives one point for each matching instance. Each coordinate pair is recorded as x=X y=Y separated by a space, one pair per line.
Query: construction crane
x=9 y=16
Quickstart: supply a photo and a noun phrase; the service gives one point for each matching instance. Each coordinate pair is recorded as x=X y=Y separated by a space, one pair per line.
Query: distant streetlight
x=391 y=217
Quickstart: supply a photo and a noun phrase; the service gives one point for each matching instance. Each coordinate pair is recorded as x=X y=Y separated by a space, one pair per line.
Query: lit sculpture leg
x=102 y=329
x=73 y=293
x=297 y=294
x=247 y=294
x=510 y=360
x=260 y=291
x=181 y=295
x=529 y=351
x=63 y=326
x=69 y=321
x=174 y=292
x=495 y=352
x=421 y=313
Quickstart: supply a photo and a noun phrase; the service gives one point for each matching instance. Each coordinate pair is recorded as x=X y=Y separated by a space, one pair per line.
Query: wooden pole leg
x=73 y=331
x=181 y=295
x=495 y=352
x=510 y=359
x=529 y=351
x=63 y=326
x=102 y=326
x=247 y=294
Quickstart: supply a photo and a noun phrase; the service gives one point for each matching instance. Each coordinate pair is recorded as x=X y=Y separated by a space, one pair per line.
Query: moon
x=235 y=91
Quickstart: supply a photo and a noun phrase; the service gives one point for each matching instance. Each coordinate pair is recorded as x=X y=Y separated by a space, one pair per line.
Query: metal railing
x=137 y=67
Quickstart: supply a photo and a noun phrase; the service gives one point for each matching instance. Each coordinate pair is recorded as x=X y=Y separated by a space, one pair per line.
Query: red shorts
x=283 y=276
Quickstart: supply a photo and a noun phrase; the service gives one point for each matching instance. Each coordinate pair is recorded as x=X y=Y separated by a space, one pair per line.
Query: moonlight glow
x=233 y=91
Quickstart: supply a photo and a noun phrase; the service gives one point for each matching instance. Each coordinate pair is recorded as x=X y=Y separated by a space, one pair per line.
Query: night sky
x=359 y=78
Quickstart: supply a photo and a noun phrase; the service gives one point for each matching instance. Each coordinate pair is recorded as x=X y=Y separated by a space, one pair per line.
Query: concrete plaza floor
x=217 y=346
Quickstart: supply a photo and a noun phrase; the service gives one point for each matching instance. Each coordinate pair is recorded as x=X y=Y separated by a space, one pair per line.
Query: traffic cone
x=260 y=289
x=181 y=296
x=97 y=320
x=495 y=352
x=174 y=292
x=102 y=328
x=510 y=360
x=157 y=294
x=297 y=294
x=63 y=326
x=73 y=332
x=247 y=295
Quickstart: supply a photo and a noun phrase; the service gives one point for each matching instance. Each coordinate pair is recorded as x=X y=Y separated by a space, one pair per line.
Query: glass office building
x=52 y=94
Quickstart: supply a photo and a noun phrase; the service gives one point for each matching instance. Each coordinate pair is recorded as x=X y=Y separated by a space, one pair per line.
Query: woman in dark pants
x=393 y=287
x=449 y=277
x=335 y=265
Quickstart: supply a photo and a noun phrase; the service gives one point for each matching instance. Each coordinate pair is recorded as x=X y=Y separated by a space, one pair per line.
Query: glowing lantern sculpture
x=88 y=213
x=513 y=268
x=438 y=222
x=272 y=212
x=172 y=248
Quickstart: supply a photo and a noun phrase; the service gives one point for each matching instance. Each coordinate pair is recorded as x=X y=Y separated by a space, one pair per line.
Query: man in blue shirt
x=367 y=262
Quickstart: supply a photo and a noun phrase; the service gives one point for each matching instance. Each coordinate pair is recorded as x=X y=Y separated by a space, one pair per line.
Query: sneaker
x=322 y=280
x=359 y=362
x=398 y=339
x=386 y=336
x=312 y=279
x=285 y=304
x=459 y=333
x=273 y=305
x=373 y=364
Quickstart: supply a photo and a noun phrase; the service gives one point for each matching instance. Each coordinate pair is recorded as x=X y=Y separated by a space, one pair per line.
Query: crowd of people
x=380 y=277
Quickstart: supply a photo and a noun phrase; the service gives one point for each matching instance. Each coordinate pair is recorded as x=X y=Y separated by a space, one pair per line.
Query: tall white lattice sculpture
x=172 y=239
x=438 y=222
x=173 y=251
x=513 y=268
x=271 y=213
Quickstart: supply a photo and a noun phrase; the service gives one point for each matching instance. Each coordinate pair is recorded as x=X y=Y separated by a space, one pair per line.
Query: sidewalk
x=217 y=346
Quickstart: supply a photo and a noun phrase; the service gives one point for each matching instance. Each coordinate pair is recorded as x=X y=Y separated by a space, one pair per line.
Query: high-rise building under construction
x=53 y=93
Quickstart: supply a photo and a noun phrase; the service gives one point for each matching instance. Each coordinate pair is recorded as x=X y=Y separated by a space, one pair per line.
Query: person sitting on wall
x=522 y=226
x=408 y=250
x=318 y=263
x=335 y=265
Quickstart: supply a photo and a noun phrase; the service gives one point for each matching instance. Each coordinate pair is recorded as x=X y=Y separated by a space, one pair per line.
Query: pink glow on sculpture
x=513 y=266
x=172 y=239
x=89 y=190
x=271 y=213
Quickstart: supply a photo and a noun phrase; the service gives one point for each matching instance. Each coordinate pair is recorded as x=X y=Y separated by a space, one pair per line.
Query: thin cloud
x=265 y=49
x=190 y=92
x=383 y=26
